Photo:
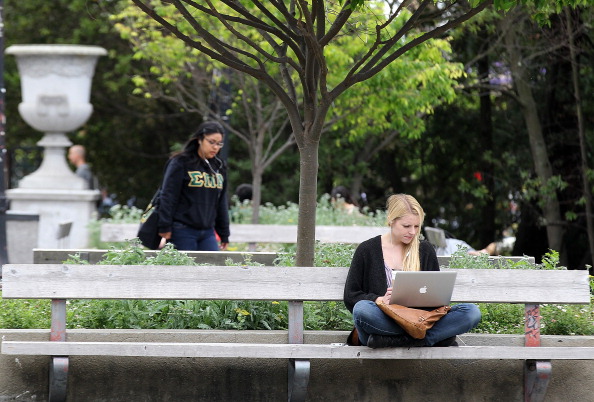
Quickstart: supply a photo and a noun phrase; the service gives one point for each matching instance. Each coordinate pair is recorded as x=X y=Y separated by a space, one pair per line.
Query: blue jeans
x=369 y=319
x=186 y=238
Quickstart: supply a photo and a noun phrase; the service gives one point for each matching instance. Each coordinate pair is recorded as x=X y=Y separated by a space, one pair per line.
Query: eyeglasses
x=215 y=144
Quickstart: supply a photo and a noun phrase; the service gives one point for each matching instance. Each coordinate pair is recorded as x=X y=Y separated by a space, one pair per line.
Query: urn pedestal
x=56 y=87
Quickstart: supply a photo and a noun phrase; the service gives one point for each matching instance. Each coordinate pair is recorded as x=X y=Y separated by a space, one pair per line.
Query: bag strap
x=155 y=199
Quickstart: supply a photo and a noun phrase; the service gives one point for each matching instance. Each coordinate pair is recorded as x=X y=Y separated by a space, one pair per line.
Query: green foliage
x=24 y=314
x=501 y=319
x=551 y=260
x=326 y=214
x=542 y=192
x=124 y=214
x=327 y=316
x=567 y=319
x=460 y=259
x=325 y=255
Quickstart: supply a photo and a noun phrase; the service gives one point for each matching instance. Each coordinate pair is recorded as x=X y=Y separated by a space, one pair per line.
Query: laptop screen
x=423 y=288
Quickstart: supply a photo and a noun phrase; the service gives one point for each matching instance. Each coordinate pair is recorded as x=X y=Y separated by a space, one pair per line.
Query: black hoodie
x=194 y=192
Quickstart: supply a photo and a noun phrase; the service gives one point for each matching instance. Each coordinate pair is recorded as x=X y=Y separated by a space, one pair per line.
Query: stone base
x=57 y=208
x=22 y=231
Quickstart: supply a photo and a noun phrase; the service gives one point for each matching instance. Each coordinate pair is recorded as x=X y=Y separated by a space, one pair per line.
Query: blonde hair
x=397 y=206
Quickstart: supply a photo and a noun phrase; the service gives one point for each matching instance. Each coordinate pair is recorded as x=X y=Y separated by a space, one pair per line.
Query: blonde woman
x=370 y=279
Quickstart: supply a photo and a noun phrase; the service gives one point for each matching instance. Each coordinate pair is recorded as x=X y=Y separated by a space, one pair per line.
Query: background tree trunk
x=575 y=78
x=486 y=233
x=542 y=166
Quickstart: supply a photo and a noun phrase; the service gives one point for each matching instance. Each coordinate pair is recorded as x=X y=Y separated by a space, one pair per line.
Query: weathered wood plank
x=288 y=351
x=117 y=232
x=259 y=233
x=252 y=233
x=270 y=283
x=172 y=282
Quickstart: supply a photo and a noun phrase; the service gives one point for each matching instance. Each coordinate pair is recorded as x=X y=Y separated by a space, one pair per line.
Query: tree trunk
x=486 y=232
x=256 y=195
x=538 y=148
x=308 y=178
x=575 y=78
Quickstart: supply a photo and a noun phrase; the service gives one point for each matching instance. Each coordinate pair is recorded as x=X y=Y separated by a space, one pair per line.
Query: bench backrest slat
x=44 y=281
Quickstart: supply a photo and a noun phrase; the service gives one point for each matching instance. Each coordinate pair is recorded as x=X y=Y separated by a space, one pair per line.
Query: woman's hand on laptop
x=385 y=298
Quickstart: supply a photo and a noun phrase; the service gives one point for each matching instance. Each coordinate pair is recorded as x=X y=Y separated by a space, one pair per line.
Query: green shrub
x=567 y=319
x=326 y=214
x=501 y=318
x=24 y=314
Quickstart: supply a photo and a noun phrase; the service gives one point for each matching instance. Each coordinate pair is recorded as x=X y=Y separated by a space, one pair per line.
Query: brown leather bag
x=353 y=338
x=414 y=321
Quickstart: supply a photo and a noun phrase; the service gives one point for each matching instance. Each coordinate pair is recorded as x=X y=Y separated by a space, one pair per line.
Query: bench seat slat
x=288 y=351
x=43 y=281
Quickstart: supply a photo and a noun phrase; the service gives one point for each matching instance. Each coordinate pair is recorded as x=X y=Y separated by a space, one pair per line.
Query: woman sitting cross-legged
x=370 y=280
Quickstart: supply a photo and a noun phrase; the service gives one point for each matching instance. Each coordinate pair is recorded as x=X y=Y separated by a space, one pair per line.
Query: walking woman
x=370 y=280
x=193 y=202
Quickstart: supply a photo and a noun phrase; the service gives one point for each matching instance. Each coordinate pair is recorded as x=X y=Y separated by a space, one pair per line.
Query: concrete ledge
x=192 y=379
x=57 y=256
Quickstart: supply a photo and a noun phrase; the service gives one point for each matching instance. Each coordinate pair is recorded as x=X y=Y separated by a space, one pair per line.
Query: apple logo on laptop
x=423 y=289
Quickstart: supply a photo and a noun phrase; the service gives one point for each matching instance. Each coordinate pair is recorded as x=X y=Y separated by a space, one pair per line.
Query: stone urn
x=56 y=88
x=56 y=91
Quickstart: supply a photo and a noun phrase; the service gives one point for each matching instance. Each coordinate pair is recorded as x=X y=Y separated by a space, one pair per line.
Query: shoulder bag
x=148 y=232
x=414 y=321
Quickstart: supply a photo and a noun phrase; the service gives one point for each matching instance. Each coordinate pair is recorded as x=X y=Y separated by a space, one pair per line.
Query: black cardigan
x=366 y=279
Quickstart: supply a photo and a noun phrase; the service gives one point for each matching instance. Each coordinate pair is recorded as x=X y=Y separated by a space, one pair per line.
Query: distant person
x=77 y=156
x=453 y=245
x=244 y=192
x=445 y=244
x=341 y=198
x=107 y=202
x=193 y=203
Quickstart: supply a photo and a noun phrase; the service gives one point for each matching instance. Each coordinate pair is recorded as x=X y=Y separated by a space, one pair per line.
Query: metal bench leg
x=537 y=375
x=298 y=379
x=58 y=377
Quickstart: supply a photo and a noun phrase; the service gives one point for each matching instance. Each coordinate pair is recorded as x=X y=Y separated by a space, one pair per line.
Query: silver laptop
x=422 y=288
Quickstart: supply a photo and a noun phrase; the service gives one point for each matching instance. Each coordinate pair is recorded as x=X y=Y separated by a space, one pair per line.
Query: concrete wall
x=25 y=378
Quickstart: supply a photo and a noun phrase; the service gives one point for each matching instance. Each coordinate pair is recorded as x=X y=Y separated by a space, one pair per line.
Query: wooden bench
x=250 y=233
x=294 y=284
